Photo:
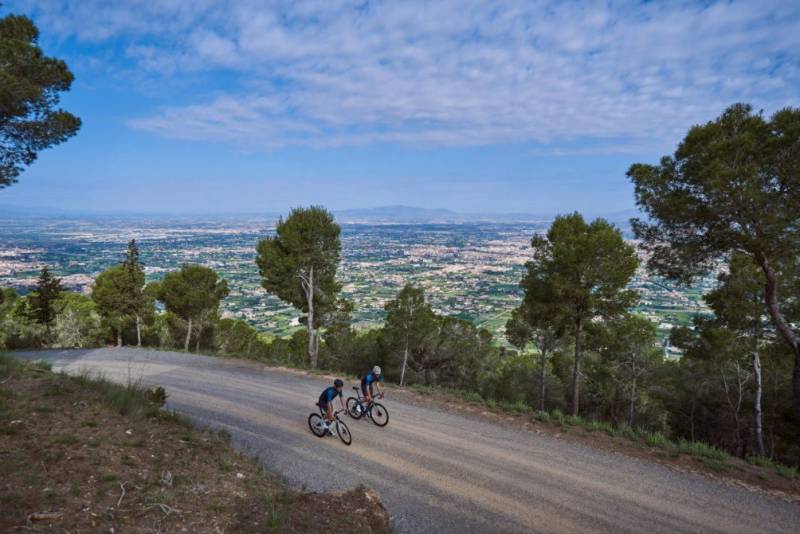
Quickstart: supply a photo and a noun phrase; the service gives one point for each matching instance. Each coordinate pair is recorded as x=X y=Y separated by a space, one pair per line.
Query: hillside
x=79 y=454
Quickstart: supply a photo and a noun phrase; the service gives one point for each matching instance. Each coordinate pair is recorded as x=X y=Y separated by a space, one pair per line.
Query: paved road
x=437 y=471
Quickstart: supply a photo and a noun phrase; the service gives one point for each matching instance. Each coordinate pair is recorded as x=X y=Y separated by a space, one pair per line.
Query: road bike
x=357 y=408
x=320 y=428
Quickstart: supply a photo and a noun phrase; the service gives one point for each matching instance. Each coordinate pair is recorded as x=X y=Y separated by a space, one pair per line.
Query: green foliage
x=299 y=263
x=43 y=299
x=411 y=328
x=516 y=407
x=574 y=420
x=110 y=295
x=732 y=186
x=653 y=439
x=18 y=329
x=156 y=396
x=193 y=293
x=599 y=426
x=701 y=450
x=557 y=416
x=542 y=416
x=77 y=325
x=30 y=83
x=628 y=363
x=579 y=271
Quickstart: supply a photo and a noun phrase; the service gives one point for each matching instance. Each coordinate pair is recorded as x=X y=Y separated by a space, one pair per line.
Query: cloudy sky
x=535 y=106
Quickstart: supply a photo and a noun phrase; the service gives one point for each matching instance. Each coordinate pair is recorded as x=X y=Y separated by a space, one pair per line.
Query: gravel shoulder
x=438 y=470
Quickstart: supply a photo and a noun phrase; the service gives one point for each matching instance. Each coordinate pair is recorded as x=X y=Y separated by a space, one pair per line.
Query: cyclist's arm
x=341 y=401
x=378 y=385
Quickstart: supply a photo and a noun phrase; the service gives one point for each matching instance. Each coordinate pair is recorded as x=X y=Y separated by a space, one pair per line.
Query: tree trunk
x=786 y=332
x=405 y=362
x=632 y=405
x=576 y=371
x=119 y=337
x=312 y=344
x=542 y=378
x=197 y=343
x=188 y=336
x=757 y=402
x=138 y=331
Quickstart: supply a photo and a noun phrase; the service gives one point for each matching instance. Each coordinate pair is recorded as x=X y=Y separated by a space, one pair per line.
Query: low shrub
x=574 y=420
x=543 y=416
x=701 y=450
x=596 y=426
x=557 y=416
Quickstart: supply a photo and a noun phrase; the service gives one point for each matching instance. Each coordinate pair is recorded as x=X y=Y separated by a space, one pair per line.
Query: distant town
x=468 y=270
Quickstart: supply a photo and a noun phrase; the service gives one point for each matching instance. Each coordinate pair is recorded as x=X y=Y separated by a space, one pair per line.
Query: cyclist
x=326 y=399
x=368 y=380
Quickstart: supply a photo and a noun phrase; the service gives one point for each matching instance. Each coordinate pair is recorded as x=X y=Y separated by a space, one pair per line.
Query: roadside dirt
x=75 y=457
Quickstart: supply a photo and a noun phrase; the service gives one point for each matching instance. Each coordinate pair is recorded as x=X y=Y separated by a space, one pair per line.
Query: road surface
x=437 y=471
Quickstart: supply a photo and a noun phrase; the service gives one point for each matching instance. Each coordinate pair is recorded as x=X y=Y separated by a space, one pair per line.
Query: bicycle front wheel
x=316 y=425
x=343 y=432
x=378 y=414
x=354 y=408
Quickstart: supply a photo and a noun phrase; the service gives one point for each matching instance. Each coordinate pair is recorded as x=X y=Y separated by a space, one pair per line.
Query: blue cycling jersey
x=328 y=395
x=369 y=378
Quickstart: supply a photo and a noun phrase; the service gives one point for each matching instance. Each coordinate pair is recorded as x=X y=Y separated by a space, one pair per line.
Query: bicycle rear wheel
x=378 y=414
x=354 y=409
x=343 y=432
x=316 y=425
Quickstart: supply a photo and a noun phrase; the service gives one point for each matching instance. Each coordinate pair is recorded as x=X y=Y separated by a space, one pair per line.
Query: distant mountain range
x=384 y=214
x=410 y=214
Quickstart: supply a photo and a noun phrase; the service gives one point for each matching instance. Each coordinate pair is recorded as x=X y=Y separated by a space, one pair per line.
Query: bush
x=652 y=439
x=544 y=417
x=574 y=420
x=156 y=396
x=557 y=416
x=472 y=396
x=518 y=407
x=701 y=450
x=596 y=426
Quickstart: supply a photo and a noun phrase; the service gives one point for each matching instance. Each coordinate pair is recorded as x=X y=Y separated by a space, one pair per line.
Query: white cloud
x=332 y=72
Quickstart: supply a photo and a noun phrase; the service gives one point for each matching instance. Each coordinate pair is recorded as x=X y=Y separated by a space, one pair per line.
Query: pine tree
x=139 y=302
x=48 y=290
x=298 y=265
x=732 y=185
x=579 y=271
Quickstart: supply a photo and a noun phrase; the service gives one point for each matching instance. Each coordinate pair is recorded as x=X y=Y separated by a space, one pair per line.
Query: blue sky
x=515 y=106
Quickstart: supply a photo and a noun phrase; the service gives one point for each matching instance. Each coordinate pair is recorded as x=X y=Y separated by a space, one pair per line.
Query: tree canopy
x=733 y=184
x=30 y=83
x=193 y=293
x=43 y=300
x=299 y=263
x=579 y=271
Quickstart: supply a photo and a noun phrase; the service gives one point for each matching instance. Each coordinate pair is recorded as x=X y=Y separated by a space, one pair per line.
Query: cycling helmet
x=338 y=383
x=376 y=370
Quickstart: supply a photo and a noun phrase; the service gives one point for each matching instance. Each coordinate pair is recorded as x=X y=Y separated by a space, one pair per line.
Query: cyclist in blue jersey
x=370 y=379
x=326 y=399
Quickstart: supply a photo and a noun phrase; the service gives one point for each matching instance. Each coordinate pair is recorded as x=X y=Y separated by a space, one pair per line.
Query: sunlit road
x=438 y=471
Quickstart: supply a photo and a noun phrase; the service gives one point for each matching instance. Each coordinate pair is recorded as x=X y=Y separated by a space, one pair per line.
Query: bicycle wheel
x=343 y=432
x=378 y=414
x=316 y=425
x=354 y=409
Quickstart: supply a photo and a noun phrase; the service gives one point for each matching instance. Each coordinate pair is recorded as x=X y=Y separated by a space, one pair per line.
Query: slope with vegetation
x=83 y=454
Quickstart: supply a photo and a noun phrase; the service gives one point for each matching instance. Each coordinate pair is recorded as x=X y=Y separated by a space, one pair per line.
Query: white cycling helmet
x=376 y=370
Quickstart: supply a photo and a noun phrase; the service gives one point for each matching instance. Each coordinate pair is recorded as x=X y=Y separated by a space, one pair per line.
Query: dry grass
x=79 y=454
